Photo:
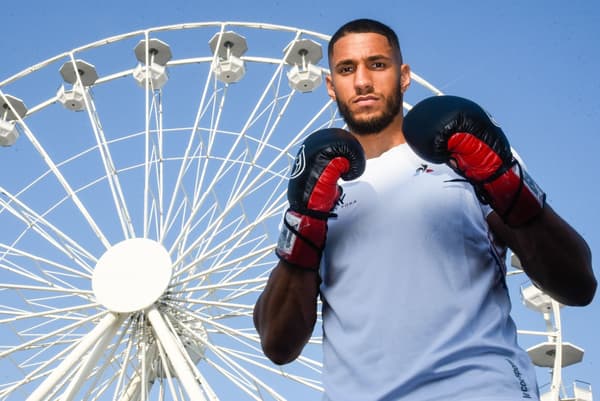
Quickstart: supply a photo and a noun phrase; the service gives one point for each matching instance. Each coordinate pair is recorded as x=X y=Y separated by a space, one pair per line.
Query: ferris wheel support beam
x=104 y=326
x=173 y=349
x=92 y=359
x=558 y=360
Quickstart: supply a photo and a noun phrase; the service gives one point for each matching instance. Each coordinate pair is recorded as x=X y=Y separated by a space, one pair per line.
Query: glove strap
x=302 y=239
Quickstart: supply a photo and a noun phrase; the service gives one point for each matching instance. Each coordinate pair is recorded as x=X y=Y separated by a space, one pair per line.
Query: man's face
x=367 y=81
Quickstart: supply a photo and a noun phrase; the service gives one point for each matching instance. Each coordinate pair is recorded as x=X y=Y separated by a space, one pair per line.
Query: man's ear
x=404 y=77
x=330 y=87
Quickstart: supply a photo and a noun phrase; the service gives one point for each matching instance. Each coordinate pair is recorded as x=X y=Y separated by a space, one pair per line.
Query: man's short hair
x=365 y=25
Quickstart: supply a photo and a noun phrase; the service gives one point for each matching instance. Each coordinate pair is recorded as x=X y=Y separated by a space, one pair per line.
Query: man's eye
x=346 y=69
x=378 y=65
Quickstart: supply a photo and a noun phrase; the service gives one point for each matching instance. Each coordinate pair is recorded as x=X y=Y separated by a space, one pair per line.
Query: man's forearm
x=286 y=312
x=554 y=256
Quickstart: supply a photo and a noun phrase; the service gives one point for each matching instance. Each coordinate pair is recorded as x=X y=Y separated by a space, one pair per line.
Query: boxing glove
x=458 y=132
x=313 y=190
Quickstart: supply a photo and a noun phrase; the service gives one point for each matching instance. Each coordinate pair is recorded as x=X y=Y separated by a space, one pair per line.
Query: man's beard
x=373 y=125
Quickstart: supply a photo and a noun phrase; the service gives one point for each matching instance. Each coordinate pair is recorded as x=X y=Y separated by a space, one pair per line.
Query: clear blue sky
x=533 y=64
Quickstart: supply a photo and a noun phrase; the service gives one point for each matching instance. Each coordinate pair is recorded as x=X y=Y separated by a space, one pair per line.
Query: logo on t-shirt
x=424 y=168
x=520 y=380
x=342 y=202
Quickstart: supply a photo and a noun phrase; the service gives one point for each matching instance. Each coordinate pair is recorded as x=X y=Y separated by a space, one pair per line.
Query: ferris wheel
x=143 y=183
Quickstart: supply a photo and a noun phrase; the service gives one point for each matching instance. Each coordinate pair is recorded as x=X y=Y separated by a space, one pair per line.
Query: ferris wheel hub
x=132 y=275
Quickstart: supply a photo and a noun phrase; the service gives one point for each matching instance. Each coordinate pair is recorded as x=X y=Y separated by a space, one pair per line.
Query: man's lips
x=365 y=100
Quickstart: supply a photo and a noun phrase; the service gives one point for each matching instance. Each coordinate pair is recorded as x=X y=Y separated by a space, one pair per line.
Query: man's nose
x=362 y=80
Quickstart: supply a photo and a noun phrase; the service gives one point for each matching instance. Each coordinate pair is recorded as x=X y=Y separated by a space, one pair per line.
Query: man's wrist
x=301 y=240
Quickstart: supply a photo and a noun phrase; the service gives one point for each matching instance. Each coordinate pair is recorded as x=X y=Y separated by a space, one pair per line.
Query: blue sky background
x=534 y=65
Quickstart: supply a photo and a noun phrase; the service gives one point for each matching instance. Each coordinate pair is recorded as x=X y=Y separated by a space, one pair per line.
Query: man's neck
x=376 y=144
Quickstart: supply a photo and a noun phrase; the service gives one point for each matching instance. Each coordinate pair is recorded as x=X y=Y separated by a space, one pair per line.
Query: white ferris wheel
x=142 y=183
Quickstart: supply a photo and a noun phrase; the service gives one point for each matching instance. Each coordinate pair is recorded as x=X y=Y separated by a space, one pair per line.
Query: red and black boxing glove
x=313 y=190
x=458 y=132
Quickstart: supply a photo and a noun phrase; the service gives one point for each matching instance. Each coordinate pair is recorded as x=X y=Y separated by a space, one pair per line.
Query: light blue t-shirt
x=415 y=304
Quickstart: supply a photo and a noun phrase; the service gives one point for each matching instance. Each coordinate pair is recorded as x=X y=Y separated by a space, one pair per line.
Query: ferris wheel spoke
x=275 y=202
x=215 y=228
x=159 y=167
x=96 y=381
x=248 y=382
x=250 y=185
x=243 y=263
x=223 y=250
x=264 y=140
x=51 y=234
x=241 y=227
x=211 y=287
x=238 y=274
x=200 y=256
x=250 y=163
x=228 y=307
x=189 y=198
x=201 y=109
x=215 y=223
x=236 y=335
x=254 y=267
x=64 y=183
x=153 y=159
x=251 y=359
x=210 y=187
x=55 y=313
x=239 y=189
x=9 y=263
x=67 y=291
x=40 y=371
x=239 y=383
x=241 y=336
x=257 y=358
x=221 y=310
x=107 y=161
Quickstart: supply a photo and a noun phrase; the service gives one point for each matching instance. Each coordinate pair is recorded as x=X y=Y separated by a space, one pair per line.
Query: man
x=410 y=268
